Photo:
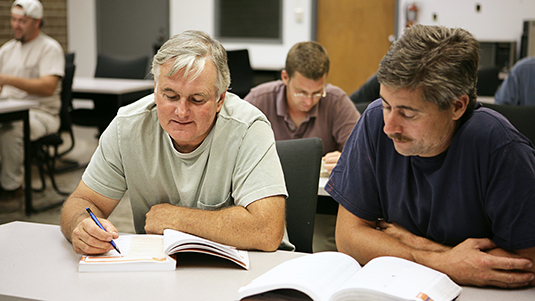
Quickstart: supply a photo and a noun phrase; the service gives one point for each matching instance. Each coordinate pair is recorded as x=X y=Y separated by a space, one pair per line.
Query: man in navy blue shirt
x=431 y=176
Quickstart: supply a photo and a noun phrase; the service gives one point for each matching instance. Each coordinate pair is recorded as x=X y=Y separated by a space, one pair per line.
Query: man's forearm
x=468 y=263
x=43 y=86
x=409 y=239
x=362 y=240
x=73 y=213
x=259 y=226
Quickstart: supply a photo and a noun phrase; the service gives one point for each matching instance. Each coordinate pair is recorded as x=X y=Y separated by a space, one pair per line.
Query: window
x=249 y=21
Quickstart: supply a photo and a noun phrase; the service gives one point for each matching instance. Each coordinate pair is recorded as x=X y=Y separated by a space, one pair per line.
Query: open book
x=333 y=276
x=144 y=252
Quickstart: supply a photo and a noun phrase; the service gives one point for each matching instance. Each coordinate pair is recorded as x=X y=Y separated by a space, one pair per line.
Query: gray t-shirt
x=236 y=164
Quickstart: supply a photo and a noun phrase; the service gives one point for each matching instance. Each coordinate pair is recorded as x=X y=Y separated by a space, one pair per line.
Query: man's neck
x=29 y=39
x=297 y=116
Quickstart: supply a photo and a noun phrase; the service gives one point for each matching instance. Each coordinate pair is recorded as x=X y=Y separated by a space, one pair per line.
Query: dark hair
x=441 y=62
x=308 y=58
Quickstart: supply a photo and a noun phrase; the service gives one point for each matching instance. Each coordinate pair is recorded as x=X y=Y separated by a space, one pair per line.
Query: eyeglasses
x=315 y=96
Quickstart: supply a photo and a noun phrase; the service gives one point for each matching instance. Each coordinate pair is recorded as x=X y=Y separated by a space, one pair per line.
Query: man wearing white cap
x=31 y=67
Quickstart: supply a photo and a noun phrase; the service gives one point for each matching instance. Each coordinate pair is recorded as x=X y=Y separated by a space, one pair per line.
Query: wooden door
x=356 y=36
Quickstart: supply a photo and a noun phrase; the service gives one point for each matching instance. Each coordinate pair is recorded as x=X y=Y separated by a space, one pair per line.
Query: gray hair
x=190 y=50
x=440 y=61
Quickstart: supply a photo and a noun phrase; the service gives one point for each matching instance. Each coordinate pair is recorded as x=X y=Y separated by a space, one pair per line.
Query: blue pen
x=101 y=227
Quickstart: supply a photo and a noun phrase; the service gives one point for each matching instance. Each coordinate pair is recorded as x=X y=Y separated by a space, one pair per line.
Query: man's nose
x=182 y=108
x=392 y=123
x=309 y=98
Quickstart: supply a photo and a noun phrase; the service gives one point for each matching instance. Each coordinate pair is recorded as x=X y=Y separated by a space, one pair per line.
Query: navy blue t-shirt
x=482 y=186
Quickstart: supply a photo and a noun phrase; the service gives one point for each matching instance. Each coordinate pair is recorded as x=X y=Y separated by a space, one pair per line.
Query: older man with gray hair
x=193 y=158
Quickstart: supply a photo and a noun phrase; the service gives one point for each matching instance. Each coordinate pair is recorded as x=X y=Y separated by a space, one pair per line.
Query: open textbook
x=333 y=276
x=144 y=252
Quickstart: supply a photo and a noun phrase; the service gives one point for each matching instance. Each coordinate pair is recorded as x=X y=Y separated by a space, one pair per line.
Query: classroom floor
x=85 y=144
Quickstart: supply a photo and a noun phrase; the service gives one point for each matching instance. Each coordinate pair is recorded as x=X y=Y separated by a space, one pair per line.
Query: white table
x=37 y=262
x=12 y=105
x=12 y=110
x=114 y=86
x=321 y=186
x=485 y=99
x=108 y=94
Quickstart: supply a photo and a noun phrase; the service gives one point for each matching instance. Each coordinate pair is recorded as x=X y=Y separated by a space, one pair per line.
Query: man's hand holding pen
x=89 y=238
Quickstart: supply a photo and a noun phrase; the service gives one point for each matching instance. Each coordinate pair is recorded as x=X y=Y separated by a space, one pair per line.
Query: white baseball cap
x=30 y=8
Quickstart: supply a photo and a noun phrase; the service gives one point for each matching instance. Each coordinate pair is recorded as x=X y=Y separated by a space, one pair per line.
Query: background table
x=37 y=262
x=108 y=94
x=13 y=110
x=112 y=86
x=321 y=186
x=118 y=91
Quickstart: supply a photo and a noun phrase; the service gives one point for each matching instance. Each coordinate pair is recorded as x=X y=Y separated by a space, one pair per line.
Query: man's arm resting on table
x=259 y=226
x=43 y=86
x=423 y=243
x=86 y=237
x=466 y=263
x=525 y=253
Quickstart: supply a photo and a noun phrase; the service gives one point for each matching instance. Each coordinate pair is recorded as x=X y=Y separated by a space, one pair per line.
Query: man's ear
x=459 y=106
x=285 y=77
x=221 y=101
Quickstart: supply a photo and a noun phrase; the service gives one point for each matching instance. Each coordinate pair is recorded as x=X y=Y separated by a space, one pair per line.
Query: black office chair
x=109 y=67
x=241 y=73
x=69 y=58
x=368 y=92
x=488 y=81
x=521 y=117
x=301 y=163
x=362 y=106
x=43 y=147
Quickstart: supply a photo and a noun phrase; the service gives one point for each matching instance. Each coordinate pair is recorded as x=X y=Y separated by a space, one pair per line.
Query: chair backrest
x=66 y=82
x=368 y=92
x=521 y=117
x=241 y=73
x=69 y=58
x=66 y=97
x=362 y=106
x=488 y=81
x=111 y=67
x=301 y=163
x=66 y=105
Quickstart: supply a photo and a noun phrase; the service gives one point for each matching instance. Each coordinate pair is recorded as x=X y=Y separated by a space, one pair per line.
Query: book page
x=176 y=241
x=146 y=246
x=173 y=238
x=143 y=252
x=133 y=247
x=398 y=277
x=318 y=275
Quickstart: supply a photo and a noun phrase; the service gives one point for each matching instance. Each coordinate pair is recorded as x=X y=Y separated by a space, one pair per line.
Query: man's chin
x=404 y=151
